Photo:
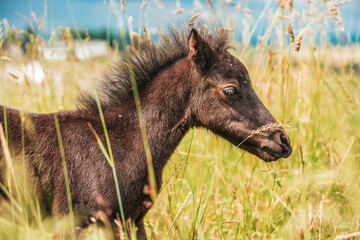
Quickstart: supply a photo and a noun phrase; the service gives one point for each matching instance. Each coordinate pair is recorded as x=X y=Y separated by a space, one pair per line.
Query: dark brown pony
x=188 y=80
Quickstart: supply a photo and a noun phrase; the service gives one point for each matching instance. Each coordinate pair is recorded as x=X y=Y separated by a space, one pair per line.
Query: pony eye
x=230 y=92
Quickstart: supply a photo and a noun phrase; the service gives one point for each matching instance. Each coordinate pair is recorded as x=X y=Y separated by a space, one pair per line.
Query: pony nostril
x=285 y=149
x=265 y=149
x=284 y=138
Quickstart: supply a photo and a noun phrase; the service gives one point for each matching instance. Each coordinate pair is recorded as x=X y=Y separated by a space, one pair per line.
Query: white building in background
x=55 y=51
x=83 y=50
x=34 y=72
x=91 y=49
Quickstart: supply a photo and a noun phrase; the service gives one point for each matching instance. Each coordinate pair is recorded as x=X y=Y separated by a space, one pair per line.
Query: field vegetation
x=211 y=190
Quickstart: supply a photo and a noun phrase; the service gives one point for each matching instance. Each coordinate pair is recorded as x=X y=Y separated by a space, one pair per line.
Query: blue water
x=94 y=15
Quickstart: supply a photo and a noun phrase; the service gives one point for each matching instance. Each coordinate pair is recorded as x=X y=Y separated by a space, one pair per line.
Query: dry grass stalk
x=128 y=224
x=230 y=2
x=87 y=36
x=286 y=3
x=8 y=159
x=284 y=17
x=144 y=5
x=302 y=160
x=67 y=37
x=123 y=5
x=121 y=234
x=145 y=33
x=1 y=36
x=26 y=33
x=16 y=36
x=6 y=151
x=103 y=217
x=191 y=21
x=134 y=34
x=321 y=211
x=298 y=42
x=183 y=205
x=265 y=38
x=233 y=191
x=265 y=128
x=35 y=18
x=63 y=35
x=231 y=22
x=310 y=215
x=248 y=11
x=178 y=11
x=336 y=13
x=291 y=32
x=342 y=3
x=39 y=46
x=247 y=191
x=9 y=59
x=227 y=29
x=341 y=27
x=194 y=17
x=210 y=3
x=291 y=5
x=130 y=20
x=348 y=236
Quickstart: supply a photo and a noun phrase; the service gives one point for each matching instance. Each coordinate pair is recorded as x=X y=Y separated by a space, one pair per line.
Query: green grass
x=209 y=190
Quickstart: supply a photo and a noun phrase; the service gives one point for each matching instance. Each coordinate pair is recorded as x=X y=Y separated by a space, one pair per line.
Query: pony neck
x=166 y=113
x=166 y=110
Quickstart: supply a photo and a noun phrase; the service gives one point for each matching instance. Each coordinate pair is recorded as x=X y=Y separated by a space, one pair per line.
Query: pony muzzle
x=275 y=146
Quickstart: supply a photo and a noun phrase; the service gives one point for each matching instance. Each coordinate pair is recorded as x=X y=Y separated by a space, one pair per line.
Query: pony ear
x=200 y=51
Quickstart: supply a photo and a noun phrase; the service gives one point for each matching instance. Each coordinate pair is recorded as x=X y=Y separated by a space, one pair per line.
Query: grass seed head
x=291 y=32
x=63 y=35
x=123 y=5
x=144 y=5
x=230 y=2
x=248 y=11
x=233 y=191
x=178 y=11
x=193 y=18
x=184 y=204
x=341 y=27
x=16 y=36
x=286 y=3
x=227 y=29
x=35 y=18
x=342 y=3
x=298 y=42
x=265 y=128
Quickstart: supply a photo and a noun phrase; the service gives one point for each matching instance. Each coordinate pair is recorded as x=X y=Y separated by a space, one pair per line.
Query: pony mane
x=143 y=64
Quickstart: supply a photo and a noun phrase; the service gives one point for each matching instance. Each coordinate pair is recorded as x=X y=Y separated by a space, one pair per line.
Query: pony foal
x=188 y=80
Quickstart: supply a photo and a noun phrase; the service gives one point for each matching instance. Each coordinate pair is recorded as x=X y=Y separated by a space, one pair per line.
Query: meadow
x=211 y=190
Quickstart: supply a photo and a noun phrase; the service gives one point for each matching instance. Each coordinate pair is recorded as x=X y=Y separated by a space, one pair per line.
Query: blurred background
x=101 y=16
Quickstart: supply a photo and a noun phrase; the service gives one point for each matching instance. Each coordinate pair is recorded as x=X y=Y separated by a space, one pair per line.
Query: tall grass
x=210 y=189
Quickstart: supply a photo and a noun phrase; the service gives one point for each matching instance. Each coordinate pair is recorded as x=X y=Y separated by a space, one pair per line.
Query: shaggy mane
x=146 y=62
